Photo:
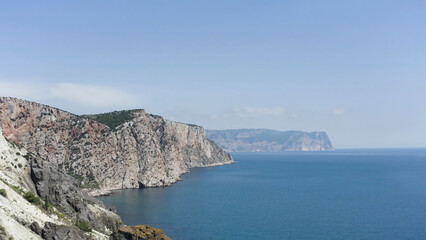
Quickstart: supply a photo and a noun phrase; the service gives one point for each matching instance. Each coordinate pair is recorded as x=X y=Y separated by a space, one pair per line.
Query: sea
x=342 y=194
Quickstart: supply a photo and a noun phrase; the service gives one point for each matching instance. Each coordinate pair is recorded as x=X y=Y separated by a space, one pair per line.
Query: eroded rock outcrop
x=139 y=232
x=37 y=201
x=53 y=231
x=146 y=151
x=63 y=192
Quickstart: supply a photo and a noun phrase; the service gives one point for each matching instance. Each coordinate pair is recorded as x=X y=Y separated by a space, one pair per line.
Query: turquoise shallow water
x=345 y=194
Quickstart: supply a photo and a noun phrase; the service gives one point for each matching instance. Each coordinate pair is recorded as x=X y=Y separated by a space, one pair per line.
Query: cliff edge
x=143 y=151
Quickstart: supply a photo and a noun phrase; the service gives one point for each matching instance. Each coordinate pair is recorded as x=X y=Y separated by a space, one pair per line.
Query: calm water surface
x=346 y=194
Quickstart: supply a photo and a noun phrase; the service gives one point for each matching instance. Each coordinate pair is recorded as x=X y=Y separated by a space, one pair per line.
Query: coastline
x=109 y=191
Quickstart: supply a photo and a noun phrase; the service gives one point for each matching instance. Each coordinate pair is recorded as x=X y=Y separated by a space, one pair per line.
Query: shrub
x=84 y=226
x=47 y=206
x=19 y=165
x=30 y=197
x=18 y=189
x=91 y=185
x=60 y=215
x=3 y=193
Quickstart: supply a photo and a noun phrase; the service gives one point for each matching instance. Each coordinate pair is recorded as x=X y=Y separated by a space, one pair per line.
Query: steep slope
x=24 y=215
x=265 y=140
x=145 y=151
x=39 y=202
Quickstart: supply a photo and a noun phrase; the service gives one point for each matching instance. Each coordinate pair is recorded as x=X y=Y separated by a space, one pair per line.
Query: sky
x=355 y=69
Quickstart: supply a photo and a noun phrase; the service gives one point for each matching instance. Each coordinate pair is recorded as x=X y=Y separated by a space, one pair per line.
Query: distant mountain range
x=266 y=140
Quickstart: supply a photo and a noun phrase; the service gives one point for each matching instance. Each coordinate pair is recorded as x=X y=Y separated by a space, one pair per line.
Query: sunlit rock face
x=146 y=151
x=39 y=202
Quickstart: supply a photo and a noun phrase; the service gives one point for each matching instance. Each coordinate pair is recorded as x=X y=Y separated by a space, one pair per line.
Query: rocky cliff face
x=62 y=191
x=146 y=151
x=265 y=140
x=39 y=202
x=139 y=232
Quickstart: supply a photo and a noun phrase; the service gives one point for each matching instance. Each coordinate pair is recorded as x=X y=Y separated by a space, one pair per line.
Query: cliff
x=142 y=151
x=265 y=140
x=39 y=202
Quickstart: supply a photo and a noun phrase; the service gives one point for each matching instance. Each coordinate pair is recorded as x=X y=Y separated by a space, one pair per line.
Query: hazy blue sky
x=356 y=69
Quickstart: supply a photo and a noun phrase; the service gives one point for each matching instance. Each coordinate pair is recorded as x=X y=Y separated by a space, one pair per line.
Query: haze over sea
x=345 y=194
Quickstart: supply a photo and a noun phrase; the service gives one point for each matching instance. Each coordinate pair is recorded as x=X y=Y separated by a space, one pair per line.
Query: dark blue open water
x=346 y=194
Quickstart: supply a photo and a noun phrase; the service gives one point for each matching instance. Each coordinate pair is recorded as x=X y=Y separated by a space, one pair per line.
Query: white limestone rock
x=146 y=151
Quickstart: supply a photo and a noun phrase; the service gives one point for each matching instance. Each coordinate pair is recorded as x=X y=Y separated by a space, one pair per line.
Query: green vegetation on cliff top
x=113 y=119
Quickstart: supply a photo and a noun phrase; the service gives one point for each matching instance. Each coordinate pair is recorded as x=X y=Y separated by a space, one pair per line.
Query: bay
x=344 y=194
